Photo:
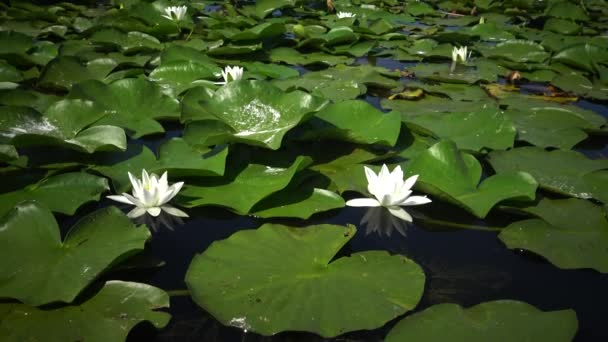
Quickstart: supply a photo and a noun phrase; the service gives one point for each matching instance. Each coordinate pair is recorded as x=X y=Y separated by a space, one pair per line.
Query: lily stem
x=457 y=225
x=178 y=293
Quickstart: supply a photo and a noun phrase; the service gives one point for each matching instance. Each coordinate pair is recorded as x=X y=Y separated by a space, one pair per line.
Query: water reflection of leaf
x=161 y=221
x=379 y=220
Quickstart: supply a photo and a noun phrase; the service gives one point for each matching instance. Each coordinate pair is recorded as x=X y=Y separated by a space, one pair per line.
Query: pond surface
x=510 y=143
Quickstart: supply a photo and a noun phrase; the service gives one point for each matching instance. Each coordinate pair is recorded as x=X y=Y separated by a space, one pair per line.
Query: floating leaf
x=354 y=121
x=66 y=123
x=520 y=51
x=293 y=56
x=63 y=72
x=39 y=268
x=258 y=113
x=174 y=156
x=244 y=190
x=501 y=320
x=454 y=176
x=134 y=104
x=107 y=316
x=474 y=131
x=81 y=187
x=182 y=75
x=558 y=171
x=581 y=86
x=265 y=7
x=570 y=233
x=284 y=287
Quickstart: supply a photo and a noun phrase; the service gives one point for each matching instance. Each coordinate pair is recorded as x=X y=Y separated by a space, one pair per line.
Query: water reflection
x=162 y=221
x=379 y=220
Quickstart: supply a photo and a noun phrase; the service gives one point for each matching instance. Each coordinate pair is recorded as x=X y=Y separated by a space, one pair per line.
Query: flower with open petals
x=231 y=73
x=151 y=195
x=390 y=191
x=176 y=13
x=341 y=15
x=460 y=54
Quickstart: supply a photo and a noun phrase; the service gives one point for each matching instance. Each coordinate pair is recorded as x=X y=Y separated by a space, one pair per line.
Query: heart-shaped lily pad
x=570 y=233
x=520 y=51
x=558 y=171
x=294 y=57
x=174 y=156
x=135 y=104
x=454 y=176
x=287 y=286
x=259 y=113
x=39 y=268
x=63 y=72
x=354 y=121
x=66 y=123
x=82 y=187
x=244 y=190
x=501 y=320
x=474 y=131
x=107 y=316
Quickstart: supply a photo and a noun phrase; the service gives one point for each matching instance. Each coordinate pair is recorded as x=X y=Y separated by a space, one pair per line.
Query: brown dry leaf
x=408 y=94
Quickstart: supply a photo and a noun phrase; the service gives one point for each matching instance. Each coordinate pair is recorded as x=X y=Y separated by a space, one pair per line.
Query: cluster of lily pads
x=259 y=108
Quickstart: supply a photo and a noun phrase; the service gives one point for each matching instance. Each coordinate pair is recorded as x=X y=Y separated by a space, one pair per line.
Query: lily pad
x=586 y=57
x=455 y=177
x=66 y=123
x=174 y=156
x=258 y=113
x=581 y=86
x=474 y=131
x=82 y=187
x=501 y=320
x=134 y=104
x=284 y=287
x=570 y=233
x=558 y=171
x=294 y=57
x=183 y=75
x=129 y=43
x=265 y=7
x=520 y=51
x=342 y=82
x=63 y=72
x=242 y=190
x=92 y=245
x=354 y=121
x=107 y=316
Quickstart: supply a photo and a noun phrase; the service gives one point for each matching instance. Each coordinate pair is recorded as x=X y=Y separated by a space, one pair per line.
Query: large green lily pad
x=558 y=171
x=81 y=187
x=354 y=121
x=240 y=193
x=108 y=316
x=134 y=104
x=259 y=113
x=174 y=156
x=182 y=75
x=68 y=123
x=63 y=72
x=501 y=320
x=474 y=131
x=342 y=82
x=293 y=56
x=288 y=286
x=570 y=233
x=39 y=268
x=581 y=86
x=520 y=51
x=454 y=176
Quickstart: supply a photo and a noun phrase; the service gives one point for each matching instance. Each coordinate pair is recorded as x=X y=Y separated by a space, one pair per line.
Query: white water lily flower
x=341 y=15
x=151 y=195
x=176 y=13
x=230 y=73
x=460 y=54
x=390 y=191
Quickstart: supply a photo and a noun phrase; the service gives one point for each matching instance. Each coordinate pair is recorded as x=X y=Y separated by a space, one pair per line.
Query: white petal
x=145 y=178
x=133 y=200
x=399 y=198
x=136 y=212
x=363 y=202
x=409 y=183
x=171 y=192
x=173 y=211
x=121 y=199
x=154 y=211
x=416 y=200
x=400 y=213
x=166 y=16
x=134 y=183
x=370 y=174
